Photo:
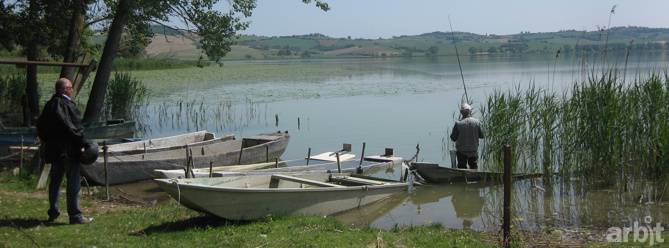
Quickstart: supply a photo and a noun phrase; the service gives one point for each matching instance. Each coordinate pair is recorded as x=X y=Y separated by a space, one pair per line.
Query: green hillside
x=441 y=43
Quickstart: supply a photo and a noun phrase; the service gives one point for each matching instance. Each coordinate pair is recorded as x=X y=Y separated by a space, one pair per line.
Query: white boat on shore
x=257 y=196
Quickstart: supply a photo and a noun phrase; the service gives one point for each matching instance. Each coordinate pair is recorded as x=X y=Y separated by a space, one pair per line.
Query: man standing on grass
x=466 y=134
x=60 y=128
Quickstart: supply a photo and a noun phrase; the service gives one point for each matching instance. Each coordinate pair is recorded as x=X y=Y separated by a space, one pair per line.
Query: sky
x=373 y=19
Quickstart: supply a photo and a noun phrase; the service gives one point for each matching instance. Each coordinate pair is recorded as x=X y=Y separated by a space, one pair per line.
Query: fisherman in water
x=466 y=134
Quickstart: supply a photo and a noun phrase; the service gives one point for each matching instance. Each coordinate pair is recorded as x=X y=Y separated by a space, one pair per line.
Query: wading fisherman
x=466 y=134
x=60 y=128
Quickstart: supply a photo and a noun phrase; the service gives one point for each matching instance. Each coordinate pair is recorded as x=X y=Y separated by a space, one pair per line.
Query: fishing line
x=458 y=56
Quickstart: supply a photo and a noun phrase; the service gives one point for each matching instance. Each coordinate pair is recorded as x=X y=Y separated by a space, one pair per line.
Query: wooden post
x=104 y=150
x=240 y=153
x=309 y=156
x=506 y=224
x=21 y=163
x=211 y=168
x=267 y=152
x=276 y=162
x=362 y=157
x=338 y=163
x=192 y=164
x=187 y=164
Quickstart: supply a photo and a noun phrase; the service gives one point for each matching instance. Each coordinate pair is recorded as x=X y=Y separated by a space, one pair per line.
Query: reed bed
x=601 y=129
x=196 y=115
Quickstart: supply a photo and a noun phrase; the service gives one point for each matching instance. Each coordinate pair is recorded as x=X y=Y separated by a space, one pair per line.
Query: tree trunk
x=99 y=90
x=74 y=39
x=32 y=93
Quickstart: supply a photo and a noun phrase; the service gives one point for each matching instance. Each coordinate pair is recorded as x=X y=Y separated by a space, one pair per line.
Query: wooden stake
x=104 y=150
x=338 y=163
x=211 y=168
x=506 y=224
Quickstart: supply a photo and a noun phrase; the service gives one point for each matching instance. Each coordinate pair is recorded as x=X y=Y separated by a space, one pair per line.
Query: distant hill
x=165 y=43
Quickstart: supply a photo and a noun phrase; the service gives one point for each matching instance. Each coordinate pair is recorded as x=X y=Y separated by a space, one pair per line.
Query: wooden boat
x=108 y=130
x=434 y=173
x=175 y=142
x=258 y=196
x=348 y=164
x=217 y=151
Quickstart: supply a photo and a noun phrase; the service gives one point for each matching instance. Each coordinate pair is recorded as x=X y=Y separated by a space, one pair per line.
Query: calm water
x=401 y=103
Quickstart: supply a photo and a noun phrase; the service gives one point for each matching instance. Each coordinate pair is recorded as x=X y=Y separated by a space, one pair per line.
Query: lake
x=399 y=103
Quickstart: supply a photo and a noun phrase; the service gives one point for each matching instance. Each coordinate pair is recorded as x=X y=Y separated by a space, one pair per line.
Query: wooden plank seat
x=275 y=181
x=347 y=180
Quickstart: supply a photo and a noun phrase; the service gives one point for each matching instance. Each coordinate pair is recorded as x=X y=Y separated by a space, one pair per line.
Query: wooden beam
x=22 y=64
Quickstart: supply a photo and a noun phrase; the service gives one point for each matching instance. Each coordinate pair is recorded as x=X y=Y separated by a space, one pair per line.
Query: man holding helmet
x=62 y=131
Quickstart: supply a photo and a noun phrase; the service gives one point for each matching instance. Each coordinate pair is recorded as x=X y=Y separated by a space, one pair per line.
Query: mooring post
x=211 y=168
x=506 y=225
x=104 y=151
x=338 y=163
x=362 y=157
x=276 y=162
x=309 y=156
x=241 y=150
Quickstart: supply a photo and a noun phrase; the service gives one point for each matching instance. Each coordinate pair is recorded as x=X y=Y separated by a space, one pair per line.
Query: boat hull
x=244 y=198
x=220 y=152
x=109 y=130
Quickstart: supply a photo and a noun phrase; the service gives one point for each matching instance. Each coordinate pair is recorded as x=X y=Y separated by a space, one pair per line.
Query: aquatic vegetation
x=603 y=128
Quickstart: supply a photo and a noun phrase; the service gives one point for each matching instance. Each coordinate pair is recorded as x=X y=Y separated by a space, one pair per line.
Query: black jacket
x=61 y=129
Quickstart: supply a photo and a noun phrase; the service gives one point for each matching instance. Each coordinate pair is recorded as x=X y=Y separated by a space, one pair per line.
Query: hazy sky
x=386 y=18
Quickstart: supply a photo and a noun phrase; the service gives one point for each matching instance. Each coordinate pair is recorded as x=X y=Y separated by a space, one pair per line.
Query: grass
x=130 y=224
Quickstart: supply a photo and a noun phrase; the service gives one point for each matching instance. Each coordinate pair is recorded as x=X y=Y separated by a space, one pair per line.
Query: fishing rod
x=458 y=56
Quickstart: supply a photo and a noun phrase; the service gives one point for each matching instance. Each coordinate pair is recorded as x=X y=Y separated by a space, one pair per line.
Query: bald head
x=64 y=86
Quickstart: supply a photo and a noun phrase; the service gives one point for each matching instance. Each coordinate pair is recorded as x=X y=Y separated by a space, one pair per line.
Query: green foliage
x=125 y=95
x=12 y=89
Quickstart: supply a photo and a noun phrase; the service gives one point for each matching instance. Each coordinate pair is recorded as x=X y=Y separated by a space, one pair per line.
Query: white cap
x=465 y=107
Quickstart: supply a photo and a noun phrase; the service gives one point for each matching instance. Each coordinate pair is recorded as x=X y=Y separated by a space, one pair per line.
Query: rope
x=175 y=181
x=415 y=155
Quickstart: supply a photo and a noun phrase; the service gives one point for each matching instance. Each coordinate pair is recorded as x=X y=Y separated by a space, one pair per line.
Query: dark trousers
x=69 y=167
x=463 y=160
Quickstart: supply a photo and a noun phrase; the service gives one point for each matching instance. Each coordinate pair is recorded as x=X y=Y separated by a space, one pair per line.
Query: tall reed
x=601 y=129
x=125 y=96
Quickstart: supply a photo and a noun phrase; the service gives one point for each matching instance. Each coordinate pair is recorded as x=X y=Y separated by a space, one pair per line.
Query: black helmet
x=90 y=153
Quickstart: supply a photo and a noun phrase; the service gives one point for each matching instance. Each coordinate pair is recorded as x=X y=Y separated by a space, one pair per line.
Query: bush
x=125 y=95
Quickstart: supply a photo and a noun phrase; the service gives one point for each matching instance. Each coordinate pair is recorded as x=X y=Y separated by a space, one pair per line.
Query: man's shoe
x=83 y=220
x=52 y=219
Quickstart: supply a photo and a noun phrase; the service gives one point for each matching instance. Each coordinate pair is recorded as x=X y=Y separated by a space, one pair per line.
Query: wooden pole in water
x=362 y=158
x=309 y=156
x=506 y=224
x=104 y=151
x=338 y=163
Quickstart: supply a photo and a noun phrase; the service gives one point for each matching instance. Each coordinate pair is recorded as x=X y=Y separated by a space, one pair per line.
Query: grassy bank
x=125 y=223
